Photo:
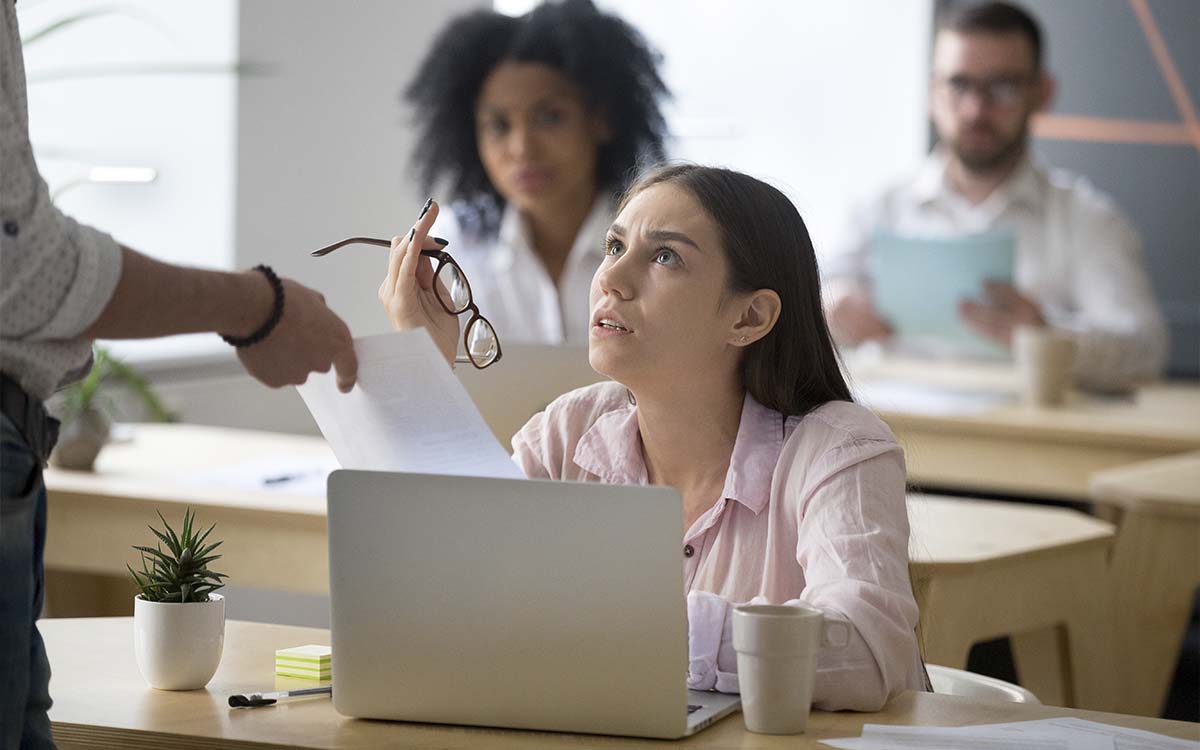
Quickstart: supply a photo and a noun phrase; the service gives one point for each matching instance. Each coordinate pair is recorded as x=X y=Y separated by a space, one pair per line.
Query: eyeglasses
x=1001 y=91
x=453 y=292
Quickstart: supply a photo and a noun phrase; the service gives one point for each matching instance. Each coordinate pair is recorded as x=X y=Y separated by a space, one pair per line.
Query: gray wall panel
x=1159 y=188
x=1179 y=22
x=1095 y=49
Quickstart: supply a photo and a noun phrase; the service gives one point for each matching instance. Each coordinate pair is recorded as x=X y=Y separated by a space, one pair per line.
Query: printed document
x=407 y=412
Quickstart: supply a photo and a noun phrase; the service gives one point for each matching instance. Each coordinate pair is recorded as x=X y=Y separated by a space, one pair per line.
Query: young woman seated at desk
x=706 y=314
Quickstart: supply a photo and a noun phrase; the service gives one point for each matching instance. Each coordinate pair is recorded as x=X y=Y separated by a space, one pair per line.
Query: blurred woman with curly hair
x=533 y=125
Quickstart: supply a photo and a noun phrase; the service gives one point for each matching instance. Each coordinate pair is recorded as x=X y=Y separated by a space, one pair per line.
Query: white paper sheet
x=282 y=474
x=922 y=398
x=407 y=412
x=1123 y=738
x=1068 y=733
x=886 y=737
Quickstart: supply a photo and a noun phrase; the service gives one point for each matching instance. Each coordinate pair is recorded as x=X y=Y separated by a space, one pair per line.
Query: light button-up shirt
x=1078 y=258
x=513 y=289
x=813 y=510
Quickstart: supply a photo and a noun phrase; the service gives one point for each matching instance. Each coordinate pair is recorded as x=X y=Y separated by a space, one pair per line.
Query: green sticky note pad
x=305 y=654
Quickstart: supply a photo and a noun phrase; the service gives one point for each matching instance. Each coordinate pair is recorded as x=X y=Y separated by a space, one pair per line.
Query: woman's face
x=537 y=138
x=660 y=310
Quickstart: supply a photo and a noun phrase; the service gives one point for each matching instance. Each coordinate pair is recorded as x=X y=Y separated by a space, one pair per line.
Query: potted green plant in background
x=85 y=424
x=178 y=619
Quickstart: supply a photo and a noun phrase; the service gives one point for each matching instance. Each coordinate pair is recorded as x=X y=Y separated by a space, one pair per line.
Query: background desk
x=100 y=700
x=273 y=540
x=1021 y=450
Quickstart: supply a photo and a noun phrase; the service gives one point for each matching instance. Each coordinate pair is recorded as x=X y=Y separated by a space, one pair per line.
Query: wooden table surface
x=276 y=540
x=1166 y=486
x=1155 y=570
x=100 y=700
x=1010 y=448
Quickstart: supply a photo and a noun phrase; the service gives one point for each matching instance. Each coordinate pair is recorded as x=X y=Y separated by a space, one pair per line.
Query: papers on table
x=406 y=413
x=282 y=474
x=1067 y=733
x=918 y=282
x=927 y=398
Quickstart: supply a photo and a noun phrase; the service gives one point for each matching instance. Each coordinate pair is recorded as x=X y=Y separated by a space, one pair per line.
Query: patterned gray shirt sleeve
x=56 y=275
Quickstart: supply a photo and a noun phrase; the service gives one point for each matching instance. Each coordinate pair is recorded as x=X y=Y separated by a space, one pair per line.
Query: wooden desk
x=272 y=540
x=100 y=700
x=1155 y=569
x=963 y=552
x=983 y=570
x=1021 y=450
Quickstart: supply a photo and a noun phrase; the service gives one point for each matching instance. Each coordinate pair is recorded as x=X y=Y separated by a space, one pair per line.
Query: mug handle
x=828 y=627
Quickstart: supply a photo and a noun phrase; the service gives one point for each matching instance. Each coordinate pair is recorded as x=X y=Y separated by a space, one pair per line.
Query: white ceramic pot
x=178 y=646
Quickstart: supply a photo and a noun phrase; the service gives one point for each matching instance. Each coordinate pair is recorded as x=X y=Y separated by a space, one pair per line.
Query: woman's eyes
x=549 y=117
x=664 y=256
x=496 y=126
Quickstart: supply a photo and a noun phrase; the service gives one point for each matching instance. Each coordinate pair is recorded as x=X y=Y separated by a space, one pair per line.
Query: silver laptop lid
x=523 y=382
x=509 y=603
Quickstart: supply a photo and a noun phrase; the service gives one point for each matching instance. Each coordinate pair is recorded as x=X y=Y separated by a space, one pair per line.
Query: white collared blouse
x=510 y=283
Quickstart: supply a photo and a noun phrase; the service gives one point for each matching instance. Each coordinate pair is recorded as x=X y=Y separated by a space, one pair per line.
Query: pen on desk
x=254 y=700
x=280 y=479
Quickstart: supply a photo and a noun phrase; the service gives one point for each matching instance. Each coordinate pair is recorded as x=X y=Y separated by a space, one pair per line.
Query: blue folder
x=919 y=281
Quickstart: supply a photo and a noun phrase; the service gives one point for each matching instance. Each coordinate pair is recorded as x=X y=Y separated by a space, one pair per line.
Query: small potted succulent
x=85 y=426
x=178 y=620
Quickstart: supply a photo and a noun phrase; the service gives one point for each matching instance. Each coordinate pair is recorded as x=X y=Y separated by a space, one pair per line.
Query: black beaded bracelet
x=276 y=313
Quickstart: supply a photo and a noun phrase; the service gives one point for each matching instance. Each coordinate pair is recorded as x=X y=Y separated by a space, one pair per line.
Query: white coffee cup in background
x=1044 y=360
x=777 y=649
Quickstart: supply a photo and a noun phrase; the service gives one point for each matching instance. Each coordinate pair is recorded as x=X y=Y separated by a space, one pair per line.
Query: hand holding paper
x=918 y=284
x=1000 y=313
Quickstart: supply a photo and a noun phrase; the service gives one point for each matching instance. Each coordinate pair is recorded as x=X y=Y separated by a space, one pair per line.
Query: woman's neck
x=689 y=448
x=554 y=227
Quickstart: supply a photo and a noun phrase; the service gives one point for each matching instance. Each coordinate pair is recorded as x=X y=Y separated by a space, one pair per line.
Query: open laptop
x=526 y=378
x=523 y=604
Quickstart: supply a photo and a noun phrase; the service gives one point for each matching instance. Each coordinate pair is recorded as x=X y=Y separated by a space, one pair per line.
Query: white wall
x=323 y=146
x=317 y=146
x=148 y=85
x=825 y=100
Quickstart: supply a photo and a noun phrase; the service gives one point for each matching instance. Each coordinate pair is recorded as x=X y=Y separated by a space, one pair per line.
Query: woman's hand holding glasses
x=408 y=293
x=417 y=294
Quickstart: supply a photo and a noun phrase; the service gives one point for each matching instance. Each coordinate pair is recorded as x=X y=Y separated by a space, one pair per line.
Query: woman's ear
x=760 y=311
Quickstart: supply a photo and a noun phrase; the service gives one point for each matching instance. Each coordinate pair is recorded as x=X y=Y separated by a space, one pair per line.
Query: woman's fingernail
x=425 y=209
x=440 y=241
x=412 y=233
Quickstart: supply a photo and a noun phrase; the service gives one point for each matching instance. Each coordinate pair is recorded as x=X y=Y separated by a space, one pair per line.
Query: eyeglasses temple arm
x=351 y=241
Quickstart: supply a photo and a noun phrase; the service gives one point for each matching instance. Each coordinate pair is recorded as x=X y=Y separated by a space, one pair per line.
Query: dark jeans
x=24 y=669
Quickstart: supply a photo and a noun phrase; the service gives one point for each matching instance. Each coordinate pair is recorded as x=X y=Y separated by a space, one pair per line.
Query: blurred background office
x=226 y=133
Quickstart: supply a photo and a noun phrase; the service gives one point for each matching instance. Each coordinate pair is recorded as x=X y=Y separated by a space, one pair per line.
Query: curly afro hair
x=607 y=58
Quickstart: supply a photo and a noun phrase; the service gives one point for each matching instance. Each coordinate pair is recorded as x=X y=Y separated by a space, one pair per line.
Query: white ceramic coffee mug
x=1044 y=360
x=777 y=649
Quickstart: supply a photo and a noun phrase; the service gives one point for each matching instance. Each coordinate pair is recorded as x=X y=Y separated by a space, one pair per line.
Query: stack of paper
x=1066 y=733
x=305 y=662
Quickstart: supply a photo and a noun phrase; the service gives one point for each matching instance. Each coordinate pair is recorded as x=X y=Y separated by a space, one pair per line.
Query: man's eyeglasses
x=1001 y=91
x=453 y=292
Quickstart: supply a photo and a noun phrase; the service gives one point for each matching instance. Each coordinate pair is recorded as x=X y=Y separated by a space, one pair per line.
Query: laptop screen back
x=509 y=603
